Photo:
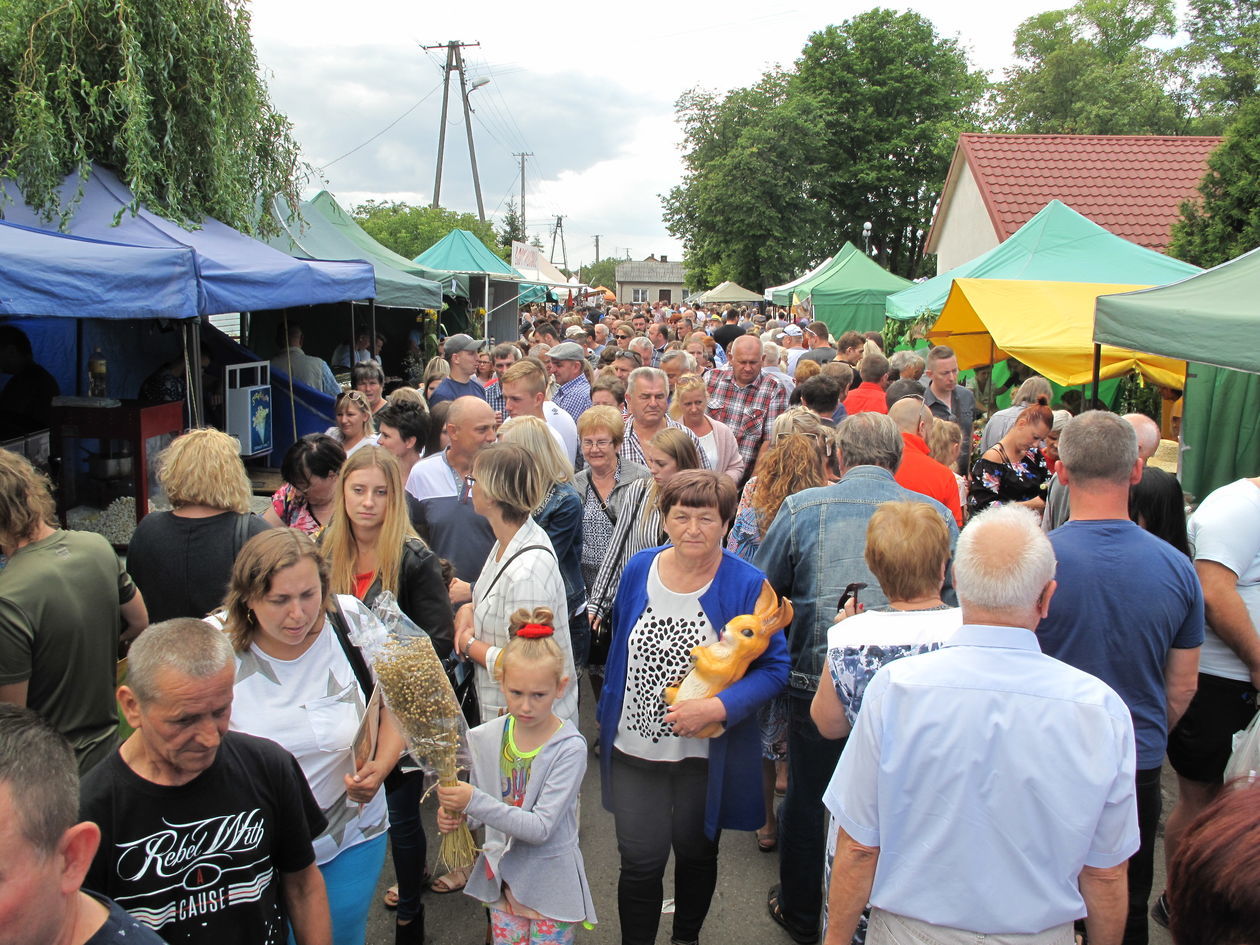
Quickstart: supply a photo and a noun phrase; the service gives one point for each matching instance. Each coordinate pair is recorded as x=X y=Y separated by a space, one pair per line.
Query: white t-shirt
x=660 y=655
x=561 y=423
x=311 y=706
x=1226 y=529
x=708 y=443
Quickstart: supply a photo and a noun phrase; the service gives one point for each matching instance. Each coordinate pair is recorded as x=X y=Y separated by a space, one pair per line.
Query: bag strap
x=603 y=506
x=240 y=533
x=513 y=558
x=353 y=654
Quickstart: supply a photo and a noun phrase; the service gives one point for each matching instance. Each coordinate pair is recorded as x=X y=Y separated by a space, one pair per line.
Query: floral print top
x=1006 y=482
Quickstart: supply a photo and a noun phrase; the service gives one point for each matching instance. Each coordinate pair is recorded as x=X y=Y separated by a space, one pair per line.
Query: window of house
x=639 y=295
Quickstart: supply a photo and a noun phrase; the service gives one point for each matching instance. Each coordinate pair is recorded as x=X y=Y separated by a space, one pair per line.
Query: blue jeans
x=408 y=843
x=580 y=635
x=350 y=878
x=802 y=818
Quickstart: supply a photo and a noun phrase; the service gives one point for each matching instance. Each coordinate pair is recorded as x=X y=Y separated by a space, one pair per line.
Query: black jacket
x=422 y=595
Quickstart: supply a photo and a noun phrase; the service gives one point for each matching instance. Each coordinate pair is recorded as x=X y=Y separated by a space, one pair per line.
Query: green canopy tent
x=1212 y=320
x=729 y=292
x=499 y=291
x=782 y=294
x=1056 y=245
x=849 y=294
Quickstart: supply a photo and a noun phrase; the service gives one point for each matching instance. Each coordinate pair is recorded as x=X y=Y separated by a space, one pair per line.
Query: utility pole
x=523 y=155
x=455 y=60
x=597 y=236
x=558 y=230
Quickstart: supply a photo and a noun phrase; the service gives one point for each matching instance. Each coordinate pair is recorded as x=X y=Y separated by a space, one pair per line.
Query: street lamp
x=866 y=236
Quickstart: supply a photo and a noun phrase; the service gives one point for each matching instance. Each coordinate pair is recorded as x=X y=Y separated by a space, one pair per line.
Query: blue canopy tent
x=235 y=272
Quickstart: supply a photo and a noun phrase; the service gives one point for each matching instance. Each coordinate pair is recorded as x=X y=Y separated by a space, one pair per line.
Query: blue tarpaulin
x=236 y=273
x=51 y=274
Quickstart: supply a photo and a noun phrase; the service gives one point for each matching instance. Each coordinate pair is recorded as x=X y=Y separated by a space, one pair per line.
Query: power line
x=383 y=130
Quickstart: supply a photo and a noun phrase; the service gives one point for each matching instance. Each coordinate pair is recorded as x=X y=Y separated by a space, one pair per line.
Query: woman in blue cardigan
x=666 y=788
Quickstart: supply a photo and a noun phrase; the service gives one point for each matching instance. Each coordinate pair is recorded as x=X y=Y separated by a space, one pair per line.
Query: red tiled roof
x=1132 y=185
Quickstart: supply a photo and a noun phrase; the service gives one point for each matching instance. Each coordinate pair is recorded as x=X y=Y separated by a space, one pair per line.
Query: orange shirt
x=920 y=473
x=867 y=397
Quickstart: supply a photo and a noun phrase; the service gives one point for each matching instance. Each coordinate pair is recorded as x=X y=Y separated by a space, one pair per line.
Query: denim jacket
x=816 y=546
x=561 y=518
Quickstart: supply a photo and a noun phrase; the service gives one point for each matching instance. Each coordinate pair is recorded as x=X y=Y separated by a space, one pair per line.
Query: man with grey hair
x=1129 y=610
x=44 y=848
x=643 y=348
x=675 y=364
x=772 y=357
x=647 y=396
x=1057 y=491
x=1002 y=420
x=815 y=548
x=206 y=834
x=967 y=729
x=905 y=365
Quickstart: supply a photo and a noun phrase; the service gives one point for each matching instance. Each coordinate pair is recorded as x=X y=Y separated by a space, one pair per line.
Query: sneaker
x=1159 y=911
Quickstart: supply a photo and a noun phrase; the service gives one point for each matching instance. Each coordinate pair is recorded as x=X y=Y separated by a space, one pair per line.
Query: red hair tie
x=535 y=631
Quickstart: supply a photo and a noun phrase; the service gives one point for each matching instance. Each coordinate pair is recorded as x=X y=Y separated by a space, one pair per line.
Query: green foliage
x=409 y=230
x=166 y=92
x=1224 y=48
x=1088 y=70
x=779 y=175
x=1225 y=222
x=512 y=227
x=602 y=273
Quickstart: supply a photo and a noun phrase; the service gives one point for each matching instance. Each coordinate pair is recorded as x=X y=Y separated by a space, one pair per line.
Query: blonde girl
x=354 y=427
x=527 y=768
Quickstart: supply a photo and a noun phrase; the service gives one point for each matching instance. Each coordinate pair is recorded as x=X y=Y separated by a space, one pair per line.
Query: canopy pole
x=1097 y=371
x=192 y=367
x=372 y=318
x=288 y=353
x=485 y=326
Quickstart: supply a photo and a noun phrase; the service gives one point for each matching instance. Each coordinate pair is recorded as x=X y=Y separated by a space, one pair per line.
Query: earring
x=250 y=616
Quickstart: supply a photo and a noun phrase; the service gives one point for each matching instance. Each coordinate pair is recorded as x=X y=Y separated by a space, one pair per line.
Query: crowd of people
x=1000 y=627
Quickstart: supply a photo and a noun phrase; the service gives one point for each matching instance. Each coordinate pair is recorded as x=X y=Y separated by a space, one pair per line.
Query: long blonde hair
x=537 y=438
x=338 y=544
x=686 y=384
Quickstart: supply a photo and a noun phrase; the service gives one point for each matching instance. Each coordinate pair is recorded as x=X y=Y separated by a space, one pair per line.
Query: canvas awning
x=1211 y=318
x=728 y=292
x=1047 y=325
x=1056 y=245
x=850 y=294
x=782 y=294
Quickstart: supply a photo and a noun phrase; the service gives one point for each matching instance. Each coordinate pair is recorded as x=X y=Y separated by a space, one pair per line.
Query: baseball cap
x=794 y=331
x=462 y=342
x=567 y=351
x=574 y=331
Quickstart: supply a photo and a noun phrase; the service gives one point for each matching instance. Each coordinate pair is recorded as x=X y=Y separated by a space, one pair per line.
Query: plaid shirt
x=632 y=450
x=749 y=411
x=495 y=398
x=574 y=397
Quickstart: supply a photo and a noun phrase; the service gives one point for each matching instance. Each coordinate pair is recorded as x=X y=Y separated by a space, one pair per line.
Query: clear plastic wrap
x=416 y=689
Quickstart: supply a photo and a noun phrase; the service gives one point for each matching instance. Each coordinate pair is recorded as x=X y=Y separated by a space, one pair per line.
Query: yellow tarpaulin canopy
x=1047 y=325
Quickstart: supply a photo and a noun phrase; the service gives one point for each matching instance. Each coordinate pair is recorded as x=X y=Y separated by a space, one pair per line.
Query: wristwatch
x=467 y=650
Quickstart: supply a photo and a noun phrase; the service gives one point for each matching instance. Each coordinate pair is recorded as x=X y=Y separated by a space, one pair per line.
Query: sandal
x=776 y=912
x=390 y=897
x=768 y=840
x=452 y=882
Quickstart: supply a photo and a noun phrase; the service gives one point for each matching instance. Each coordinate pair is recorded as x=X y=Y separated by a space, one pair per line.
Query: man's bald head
x=1002 y=568
x=908 y=413
x=1147 y=431
x=468 y=410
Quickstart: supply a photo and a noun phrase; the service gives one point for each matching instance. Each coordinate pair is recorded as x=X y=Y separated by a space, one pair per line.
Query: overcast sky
x=587 y=87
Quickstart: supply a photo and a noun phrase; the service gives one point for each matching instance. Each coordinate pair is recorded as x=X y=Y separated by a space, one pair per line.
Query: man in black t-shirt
x=205 y=833
x=729 y=331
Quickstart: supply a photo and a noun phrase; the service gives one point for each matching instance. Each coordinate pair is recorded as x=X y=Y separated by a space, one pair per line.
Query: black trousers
x=1142 y=863
x=659 y=806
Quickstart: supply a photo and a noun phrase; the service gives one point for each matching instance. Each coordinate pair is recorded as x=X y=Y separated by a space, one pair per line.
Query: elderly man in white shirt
x=986 y=789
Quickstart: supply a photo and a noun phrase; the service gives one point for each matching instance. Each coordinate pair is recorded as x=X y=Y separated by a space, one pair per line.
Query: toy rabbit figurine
x=724 y=662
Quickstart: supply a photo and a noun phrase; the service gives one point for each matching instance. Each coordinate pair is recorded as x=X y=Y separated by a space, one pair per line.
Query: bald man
x=1057 y=492
x=918 y=471
x=442 y=485
x=744 y=399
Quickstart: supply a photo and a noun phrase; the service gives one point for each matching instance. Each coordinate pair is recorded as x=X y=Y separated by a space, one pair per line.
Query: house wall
x=966 y=231
x=625 y=290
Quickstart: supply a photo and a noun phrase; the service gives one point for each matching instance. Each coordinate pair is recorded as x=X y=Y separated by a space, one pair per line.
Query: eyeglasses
x=596 y=444
x=780 y=437
x=624 y=337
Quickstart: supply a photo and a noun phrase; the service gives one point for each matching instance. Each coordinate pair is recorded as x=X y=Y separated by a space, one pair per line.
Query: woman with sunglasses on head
x=371 y=549
x=354 y=426
x=310 y=470
x=796 y=460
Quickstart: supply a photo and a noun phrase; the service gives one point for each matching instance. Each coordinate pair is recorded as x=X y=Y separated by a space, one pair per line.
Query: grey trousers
x=888 y=928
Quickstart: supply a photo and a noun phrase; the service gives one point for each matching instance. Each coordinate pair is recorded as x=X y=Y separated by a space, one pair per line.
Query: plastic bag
x=1244 y=761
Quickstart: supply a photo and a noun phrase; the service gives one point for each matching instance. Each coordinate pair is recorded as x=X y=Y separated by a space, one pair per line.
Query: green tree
x=512 y=227
x=1224 y=49
x=1224 y=222
x=1089 y=70
x=602 y=273
x=409 y=230
x=166 y=92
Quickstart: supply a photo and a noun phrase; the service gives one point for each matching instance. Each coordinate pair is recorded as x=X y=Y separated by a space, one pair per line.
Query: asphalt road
x=737 y=916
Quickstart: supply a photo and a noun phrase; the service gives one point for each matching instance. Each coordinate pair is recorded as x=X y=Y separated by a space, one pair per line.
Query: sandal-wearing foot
x=799 y=936
x=1159 y=911
x=452 y=882
x=767 y=840
x=390 y=897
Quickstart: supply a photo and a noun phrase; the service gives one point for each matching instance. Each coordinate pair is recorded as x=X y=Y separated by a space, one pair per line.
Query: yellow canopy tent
x=1047 y=325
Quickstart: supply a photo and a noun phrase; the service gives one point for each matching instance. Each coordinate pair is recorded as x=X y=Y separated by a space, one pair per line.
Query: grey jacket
x=630 y=471
x=534 y=847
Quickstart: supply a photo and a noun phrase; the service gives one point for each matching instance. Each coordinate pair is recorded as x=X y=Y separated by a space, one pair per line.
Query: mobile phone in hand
x=850 y=592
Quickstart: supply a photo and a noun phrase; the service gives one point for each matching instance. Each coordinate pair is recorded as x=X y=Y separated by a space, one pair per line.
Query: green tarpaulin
x=314 y=235
x=850 y=293
x=1056 y=245
x=1212 y=319
x=461 y=251
x=782 y=294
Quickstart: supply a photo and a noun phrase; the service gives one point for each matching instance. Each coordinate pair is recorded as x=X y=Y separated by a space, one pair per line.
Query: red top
x=362 y=582
x=867 y=397
x=920 y=473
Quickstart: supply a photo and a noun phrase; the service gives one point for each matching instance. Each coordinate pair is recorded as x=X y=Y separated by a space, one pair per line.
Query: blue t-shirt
x=451 y=389
x=1125 y=598
x=120 y=928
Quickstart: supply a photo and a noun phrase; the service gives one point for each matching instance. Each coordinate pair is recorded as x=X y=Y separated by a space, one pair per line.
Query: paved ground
x=738 y=915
